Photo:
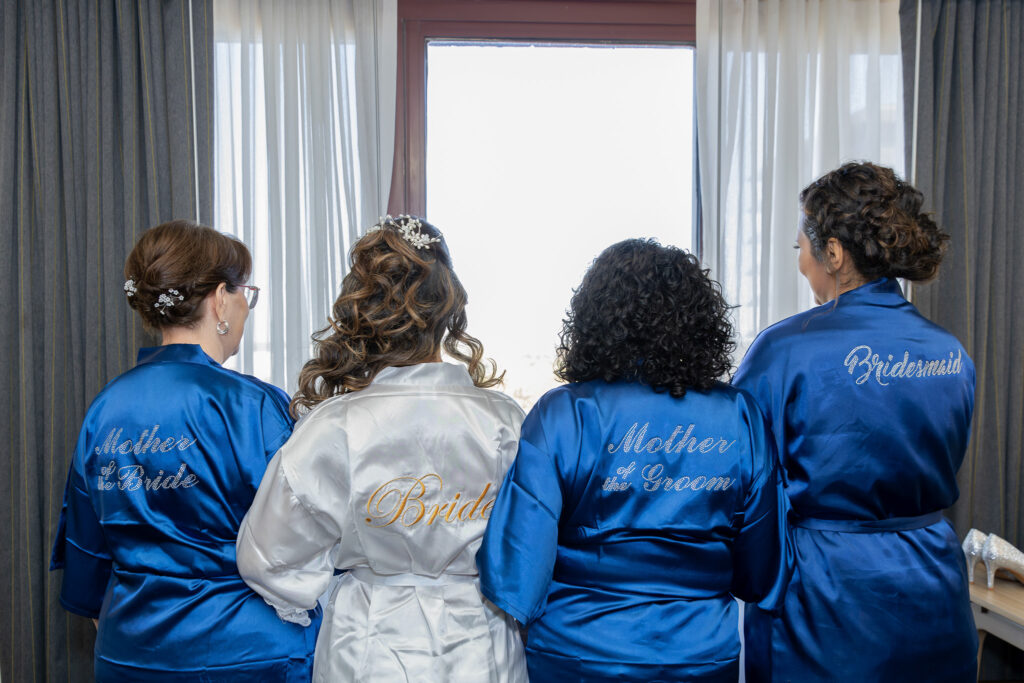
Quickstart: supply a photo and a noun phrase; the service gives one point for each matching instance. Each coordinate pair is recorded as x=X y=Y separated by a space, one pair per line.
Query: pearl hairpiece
x=129 y=287
x=409 y=227
x=167 y=300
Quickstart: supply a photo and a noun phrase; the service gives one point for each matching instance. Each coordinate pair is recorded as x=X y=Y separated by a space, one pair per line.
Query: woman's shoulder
x=797 y=327
x=209 y=377
x=503 y=403
x=261 y=387
x=331 y=409
x=566 y=395
x=605 y=398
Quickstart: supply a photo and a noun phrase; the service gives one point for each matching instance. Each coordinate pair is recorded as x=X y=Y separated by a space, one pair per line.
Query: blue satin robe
x=167 y=463
x=626 y=525
x=870 y=404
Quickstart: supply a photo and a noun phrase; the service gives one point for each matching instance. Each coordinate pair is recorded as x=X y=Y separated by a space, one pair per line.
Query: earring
x=223 y=327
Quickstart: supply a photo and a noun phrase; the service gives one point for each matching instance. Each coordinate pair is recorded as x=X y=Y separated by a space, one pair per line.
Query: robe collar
x=425 y=374
x=881 y=292
x=175 y=353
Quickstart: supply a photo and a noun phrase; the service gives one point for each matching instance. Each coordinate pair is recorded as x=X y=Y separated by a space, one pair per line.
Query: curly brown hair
x=877 y=218
x=646 y=313
x=190 y=259
x=399 y=305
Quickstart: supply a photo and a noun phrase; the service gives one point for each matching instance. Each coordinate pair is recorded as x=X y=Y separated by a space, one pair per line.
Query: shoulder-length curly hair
x=646 y=313
x=400 y=304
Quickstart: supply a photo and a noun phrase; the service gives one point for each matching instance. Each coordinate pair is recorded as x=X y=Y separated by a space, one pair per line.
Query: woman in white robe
x=390 y=476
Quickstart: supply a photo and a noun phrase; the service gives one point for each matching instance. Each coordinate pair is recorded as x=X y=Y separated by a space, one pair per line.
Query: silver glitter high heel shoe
x=998 y=554
x=973 y=542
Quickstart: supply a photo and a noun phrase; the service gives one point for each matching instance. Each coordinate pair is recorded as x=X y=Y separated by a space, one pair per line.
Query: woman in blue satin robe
x=870 y=404
x=644 y=495
x=167 y=463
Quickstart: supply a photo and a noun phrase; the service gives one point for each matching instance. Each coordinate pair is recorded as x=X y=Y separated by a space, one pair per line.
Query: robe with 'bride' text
x=393 y=484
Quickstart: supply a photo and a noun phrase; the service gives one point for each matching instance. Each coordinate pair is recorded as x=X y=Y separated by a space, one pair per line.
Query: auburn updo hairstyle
x=188 y=258
x=877 y=218
x=399 y=305
x=650 y=314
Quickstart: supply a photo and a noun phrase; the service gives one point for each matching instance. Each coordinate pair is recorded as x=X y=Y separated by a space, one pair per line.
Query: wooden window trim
x=575 y=21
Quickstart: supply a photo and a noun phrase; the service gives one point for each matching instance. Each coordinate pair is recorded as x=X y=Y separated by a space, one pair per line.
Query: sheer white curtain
x=786 y=90
x=304 y=136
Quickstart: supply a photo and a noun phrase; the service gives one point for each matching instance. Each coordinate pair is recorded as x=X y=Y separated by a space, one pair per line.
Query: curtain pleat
x=785 y=92
x=305 y=136
x=970 y=167
x=969 y=55
x=99 y=139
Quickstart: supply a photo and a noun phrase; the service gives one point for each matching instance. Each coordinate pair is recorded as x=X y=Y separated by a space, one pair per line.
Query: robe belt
x=866 y=526
x=367 y=575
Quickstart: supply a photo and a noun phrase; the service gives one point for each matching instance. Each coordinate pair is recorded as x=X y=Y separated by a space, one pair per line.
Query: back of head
x=649 y=313
x=174 y=266
x=877 y=218
x=400 y=304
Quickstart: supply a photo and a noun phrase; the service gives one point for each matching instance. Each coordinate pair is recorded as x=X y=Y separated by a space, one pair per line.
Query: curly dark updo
x=646 y=313
x=877 y=218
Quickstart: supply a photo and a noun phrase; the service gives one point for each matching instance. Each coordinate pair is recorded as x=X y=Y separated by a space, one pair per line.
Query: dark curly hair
x=399 y=305
x=877 y=218
x=190 y=259
x=646 y=313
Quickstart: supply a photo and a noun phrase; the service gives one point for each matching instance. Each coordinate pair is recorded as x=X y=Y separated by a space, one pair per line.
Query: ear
x=219 y=300
x=835 y=256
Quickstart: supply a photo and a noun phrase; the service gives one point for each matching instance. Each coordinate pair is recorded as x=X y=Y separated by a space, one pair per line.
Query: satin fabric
x=626 y=526
x=870 y=444
x=168 y=460
x=394 y=482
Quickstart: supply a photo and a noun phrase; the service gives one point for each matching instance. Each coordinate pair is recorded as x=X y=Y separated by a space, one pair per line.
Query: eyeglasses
x=252 y=295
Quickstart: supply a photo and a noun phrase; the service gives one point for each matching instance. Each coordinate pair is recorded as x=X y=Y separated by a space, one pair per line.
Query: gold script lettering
x=407 y=507
x=407 y=500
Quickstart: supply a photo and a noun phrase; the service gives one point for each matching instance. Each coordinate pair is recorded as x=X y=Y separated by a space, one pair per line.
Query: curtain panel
x=969 y=153
x=786 y=90
x=305 y=129
x=105 y=130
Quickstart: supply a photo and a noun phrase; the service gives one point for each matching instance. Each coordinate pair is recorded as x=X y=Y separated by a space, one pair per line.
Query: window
x=534 y=135
x=538 y=157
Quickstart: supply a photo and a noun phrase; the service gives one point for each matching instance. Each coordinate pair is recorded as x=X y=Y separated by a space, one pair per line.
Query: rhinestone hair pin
x=129 y=287
x=409 y=227
x=167 y=300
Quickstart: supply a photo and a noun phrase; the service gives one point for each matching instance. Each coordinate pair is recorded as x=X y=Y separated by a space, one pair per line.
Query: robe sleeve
x=287 y=542
x=762 y=558
x=275 y=421
x=517 y=556
x=761 y=373
x=80 y=548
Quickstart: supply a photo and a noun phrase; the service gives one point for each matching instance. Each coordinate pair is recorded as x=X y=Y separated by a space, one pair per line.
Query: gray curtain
x=970 y=167
x=105 y=130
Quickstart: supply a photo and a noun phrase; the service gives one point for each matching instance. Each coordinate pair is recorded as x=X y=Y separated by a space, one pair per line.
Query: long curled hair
x=400 y=304
x=646 y=313
x=877 y=218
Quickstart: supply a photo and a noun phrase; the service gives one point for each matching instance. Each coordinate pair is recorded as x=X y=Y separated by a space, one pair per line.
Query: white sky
x=539 y=157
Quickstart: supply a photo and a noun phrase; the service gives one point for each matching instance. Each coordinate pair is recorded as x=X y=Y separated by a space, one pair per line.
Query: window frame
x=641 y=22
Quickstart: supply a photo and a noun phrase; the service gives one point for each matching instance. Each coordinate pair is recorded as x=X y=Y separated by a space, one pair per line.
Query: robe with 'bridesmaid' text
x=870 y=405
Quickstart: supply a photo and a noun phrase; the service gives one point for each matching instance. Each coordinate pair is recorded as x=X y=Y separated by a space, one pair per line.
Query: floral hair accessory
x=129 y=287
x=409 y=227
x=167 y=300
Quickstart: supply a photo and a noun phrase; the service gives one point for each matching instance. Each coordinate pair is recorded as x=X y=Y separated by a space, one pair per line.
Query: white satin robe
x=394 y=484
